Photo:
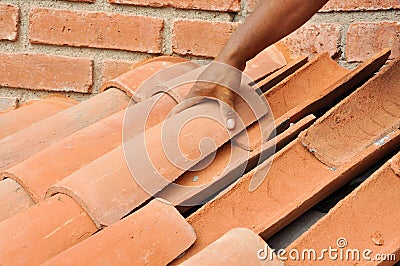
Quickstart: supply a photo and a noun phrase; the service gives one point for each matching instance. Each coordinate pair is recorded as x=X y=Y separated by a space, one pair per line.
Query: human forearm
x=270 y=21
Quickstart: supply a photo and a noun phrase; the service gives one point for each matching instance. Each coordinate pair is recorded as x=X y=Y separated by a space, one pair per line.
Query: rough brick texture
x=339 y=5
x=217 y=5
x=313 y=39
x=9 y=20
x=45 y=72
x=95 y=29
x=114 y=33
x=115 y=68
x=201 y=38
x=365 y=39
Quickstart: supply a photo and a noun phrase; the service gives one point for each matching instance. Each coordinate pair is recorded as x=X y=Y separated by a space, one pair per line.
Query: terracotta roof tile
x=366 y=219
x=37 y=173
x=101 y=191
x=293 y=98
x=154 y=235
x=38 y=177
x=218 y=172
x=293 y=92
x=276 y=77
x=27 y=114
x=133 y=79
x=111 y=196
x=37 y=234
x=376 y=105
x=237 y=246
x=265 y=63
x=286 y=191
x=14 y=199
x=25 y=143
x=319 y=73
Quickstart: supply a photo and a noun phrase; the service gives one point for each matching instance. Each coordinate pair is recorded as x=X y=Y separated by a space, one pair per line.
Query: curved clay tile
x=39 y=233
x=154 y=235
x=293 y=99
x=305 y=84
x=113 y=193
x=367 y=219
x=297 y=179
x=265 y=63
x=276 y=77
x=130 y=81
x=13 y=199
x=30 y=113
x=218 y=174
x=104 y=210
x=38 y=173
x=374 y=114
x=30 y=140
x=237 y=246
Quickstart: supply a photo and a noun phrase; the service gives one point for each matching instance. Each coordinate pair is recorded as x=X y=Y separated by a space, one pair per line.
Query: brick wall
x=71 y=47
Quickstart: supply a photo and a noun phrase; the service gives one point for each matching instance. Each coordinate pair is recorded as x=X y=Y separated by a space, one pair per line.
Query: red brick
x=215 y=5
x=364 y=39
x=115 y=68
x=313 y=39
x=341 y=5
x=46 y=72
x=189 y=37
x=9 y=20
x=95 y=29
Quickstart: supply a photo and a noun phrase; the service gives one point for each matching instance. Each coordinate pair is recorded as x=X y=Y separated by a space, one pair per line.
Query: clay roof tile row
x=76 y=171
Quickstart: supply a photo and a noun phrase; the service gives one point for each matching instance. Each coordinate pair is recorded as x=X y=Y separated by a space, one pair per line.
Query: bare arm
x=270 y=21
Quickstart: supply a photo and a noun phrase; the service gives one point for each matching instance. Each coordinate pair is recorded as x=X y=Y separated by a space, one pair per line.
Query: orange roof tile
x=368 y=218
x=88 y=164
x=37 y=234
x=237 y=246
x=14 y=199
x=287 y=192
x=218 y=174
x=21 y=145
x=154 y=235
x=32 y=112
